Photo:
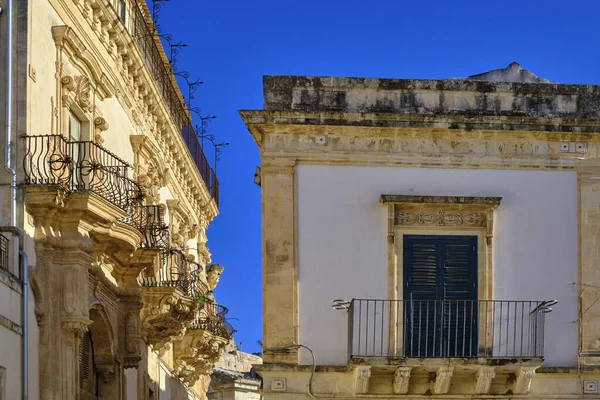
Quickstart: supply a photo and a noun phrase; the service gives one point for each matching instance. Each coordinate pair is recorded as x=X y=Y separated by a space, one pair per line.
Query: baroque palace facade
x=105 y=278
x=429 y=238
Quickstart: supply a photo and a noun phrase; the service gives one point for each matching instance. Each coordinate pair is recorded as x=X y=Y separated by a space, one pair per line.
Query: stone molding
x=8 y=324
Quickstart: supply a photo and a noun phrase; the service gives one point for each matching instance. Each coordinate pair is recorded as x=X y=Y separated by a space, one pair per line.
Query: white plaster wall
x=10 y=358
x=342 y=245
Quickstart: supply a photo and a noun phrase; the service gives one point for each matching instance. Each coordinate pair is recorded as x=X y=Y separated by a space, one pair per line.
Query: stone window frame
x=439 y=215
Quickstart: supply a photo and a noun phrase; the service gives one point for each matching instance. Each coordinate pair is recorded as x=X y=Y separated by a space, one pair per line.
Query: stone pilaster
x=64 y=275
x=280 y=320
x=589 y=282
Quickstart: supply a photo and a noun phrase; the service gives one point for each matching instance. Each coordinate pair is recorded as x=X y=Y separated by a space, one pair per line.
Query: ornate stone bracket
x=483 y=380
x=165 y=315
x=522 y=381
x=100 y=125
x=362 y=375
x=443 y=378
x=196 y=354
x=401 y=380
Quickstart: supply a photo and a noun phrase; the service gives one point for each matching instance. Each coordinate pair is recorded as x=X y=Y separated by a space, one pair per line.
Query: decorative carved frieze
x=441 y=218
x=401 y=380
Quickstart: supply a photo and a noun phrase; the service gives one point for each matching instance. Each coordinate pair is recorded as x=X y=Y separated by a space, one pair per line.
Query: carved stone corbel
x=100 y=125
x=483 y=380
x=195 y=355
x=165 y=315
x=443 y=378
x=362 y=375
x=401 y=380
x=68 y=85
x=522 y=382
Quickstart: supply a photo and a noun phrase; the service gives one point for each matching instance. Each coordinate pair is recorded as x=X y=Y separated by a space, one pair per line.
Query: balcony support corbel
x=401 y=380
x=443 y=378
x=483 y=380
x=522 y=382
x=362 y=374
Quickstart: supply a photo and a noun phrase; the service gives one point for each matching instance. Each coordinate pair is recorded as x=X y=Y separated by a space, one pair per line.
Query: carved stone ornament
x=441 y=218
x=151 y=182
x=213 y=275
x=165 y=316
x=100 y=125
x=196 y=355
x=82 y=92
x=76 y=89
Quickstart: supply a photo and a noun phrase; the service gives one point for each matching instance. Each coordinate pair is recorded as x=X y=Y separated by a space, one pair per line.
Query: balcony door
x=440 y=296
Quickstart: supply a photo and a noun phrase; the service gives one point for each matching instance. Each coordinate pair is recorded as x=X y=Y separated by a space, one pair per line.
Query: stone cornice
x=261 y=122
x=492 y=202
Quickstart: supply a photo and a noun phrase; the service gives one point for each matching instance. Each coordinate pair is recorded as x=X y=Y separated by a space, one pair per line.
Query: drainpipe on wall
x=8 y=11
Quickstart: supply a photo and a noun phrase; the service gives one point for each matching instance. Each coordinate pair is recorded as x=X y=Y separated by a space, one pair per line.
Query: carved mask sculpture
x=213 y=275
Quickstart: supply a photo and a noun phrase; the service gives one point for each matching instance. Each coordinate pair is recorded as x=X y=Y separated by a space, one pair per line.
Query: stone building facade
x=429 y=238
x=234 y=377
x=106 y=281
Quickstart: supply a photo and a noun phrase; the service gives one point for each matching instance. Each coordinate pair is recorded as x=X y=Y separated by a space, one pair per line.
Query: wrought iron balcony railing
x=446 y=329
x=178 y=272
x=79 y=166
x=212 y=319
x=4 y=252
x=149 y=220
x=146 y=40
x=214 y=310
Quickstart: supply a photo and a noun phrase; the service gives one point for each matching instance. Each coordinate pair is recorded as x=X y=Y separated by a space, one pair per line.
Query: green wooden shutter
x=440 y=293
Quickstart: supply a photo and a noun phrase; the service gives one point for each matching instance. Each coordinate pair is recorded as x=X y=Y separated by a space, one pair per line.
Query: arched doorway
x=98 y=370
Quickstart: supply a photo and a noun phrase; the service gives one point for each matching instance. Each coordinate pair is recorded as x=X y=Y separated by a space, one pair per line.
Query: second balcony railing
x=178 y=272
x=446 y=328
x=79 y=166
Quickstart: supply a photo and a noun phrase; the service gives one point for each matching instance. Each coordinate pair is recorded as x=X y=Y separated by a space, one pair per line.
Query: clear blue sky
x=232 y=44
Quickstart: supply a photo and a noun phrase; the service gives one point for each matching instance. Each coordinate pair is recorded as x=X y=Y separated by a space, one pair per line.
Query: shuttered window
x=440 y=293
x=87 y=368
